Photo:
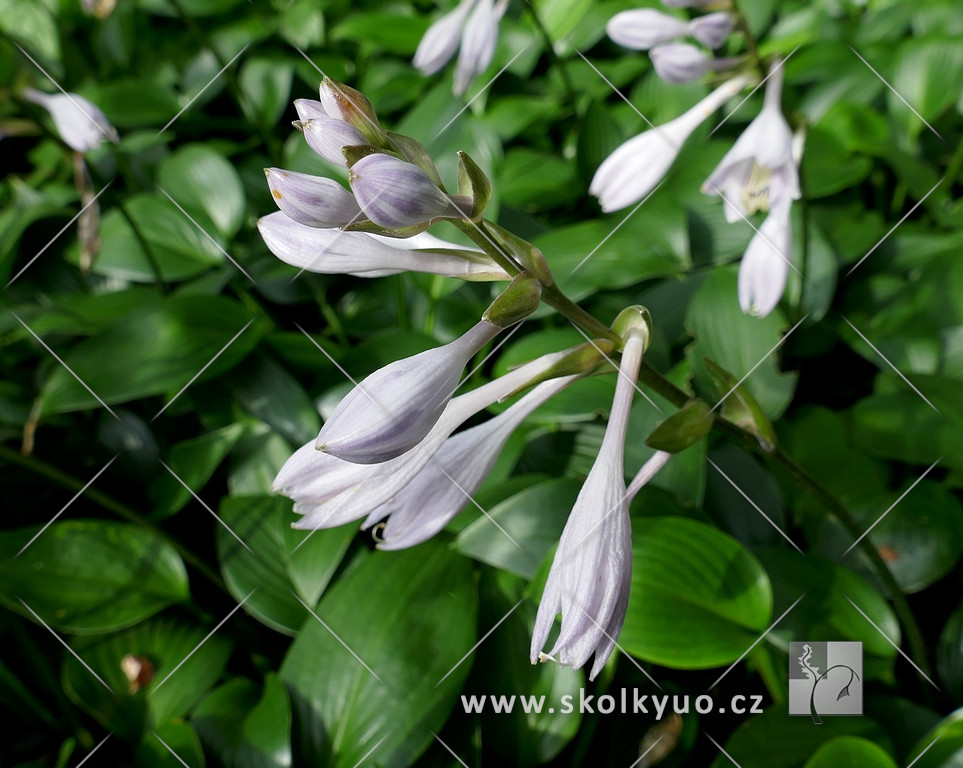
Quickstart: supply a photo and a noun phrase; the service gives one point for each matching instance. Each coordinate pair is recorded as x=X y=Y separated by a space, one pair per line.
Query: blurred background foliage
x=165 y=617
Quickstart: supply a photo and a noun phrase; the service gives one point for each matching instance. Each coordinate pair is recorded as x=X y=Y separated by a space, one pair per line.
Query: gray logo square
x=825 y=678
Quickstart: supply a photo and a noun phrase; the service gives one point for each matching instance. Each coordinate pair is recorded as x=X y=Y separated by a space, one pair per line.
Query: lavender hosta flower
x=712 y=29
x=437 y=493
x=81 y=124
x=392 y=410
x=642 y=28
x=684 y=62
x=590 y=575
x=312 y=200
x=397 y=194
x=381 y=482
x=758 y=172
x=332 y=252
x=634 y=169
x=472 y=24
x=309 y=109
x=327 y=135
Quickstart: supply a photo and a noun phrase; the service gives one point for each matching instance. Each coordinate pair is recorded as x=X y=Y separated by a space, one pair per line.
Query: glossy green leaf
x=266 y=84
x=89 y=575
x=170 y=745
x=155 y=349
x=699 y=599
x=268 y=392
x=207 y=186
x=394 y=627
x=942 y=747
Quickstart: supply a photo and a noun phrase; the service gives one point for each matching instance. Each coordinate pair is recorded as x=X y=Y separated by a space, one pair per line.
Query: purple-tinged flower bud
x=644 y=28
x=441 y=40
x=680 y=62
x=332 y=252
x=312 y=200
x=345 y=103
x=327 y=135
x=393 y=409
x=309 y=109
x=396 y=194
x=711 y=29
x=80 y=123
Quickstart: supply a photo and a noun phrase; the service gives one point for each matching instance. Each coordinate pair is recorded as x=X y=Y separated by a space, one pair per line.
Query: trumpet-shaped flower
x=392 y=410
x=758 y=173
x=312 y=200
x=437 y=493
x=81 y=124
x=331 y=252
x=472 y=24
x=590 y=575
x=637 y=166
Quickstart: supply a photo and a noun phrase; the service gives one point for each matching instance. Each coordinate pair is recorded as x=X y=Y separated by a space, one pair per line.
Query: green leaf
x=949 y=655
x=739 y=406
x=207 y=186
x=271 y=394
x=271 y=572
x=156 y=349
x=928 y=73
x=387 y=32
x=850 y=752
x=598 y=137
x=827 y=167
x=408 y=619
x=683 y=428
x=518 y=532
x=947 y=751
x=738 y=342
x=561 y=18
x=178 y=738
x=247 y=727
x=751 y=746
x=179 y=664
x=266 y=84
x=32 y=23
x=698 y=598
x=89 y=575
x=536 y=180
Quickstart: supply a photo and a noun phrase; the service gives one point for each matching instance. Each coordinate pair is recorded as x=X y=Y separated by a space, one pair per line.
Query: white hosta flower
x=634 y=169
x=332 y=252
x=472 y=24
x=397 y=194
x=592 y=570
x=642 y=28
x=684 y=62
x=391 y=411
x=379 y=483
x=711 y=29
x=759 y=171
x=437 y=493
x=312 y=200
x=81 y=124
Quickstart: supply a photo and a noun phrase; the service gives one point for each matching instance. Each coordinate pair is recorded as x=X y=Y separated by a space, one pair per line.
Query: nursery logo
x=825 y=679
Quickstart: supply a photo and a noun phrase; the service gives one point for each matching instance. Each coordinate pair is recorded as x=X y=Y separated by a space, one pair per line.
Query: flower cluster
x=390 y=453
x=759 y=173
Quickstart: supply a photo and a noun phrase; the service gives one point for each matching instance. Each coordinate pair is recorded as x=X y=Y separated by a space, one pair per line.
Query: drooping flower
x=634 y=169
x=642 y=28
x=758 y=172
x=391 y=411
x=472 y=24
x=332 y=251
x=684 y=62
x=80 y=123
x=589 y=579
x=437 y=493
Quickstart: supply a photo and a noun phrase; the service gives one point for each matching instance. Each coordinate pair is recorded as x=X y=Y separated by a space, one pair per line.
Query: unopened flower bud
x=312 y=200
x=680 y=62
x=309 y=109
x=327 y=135
x=516 y=302
x=396 y=194
x=634 y=321
x=80 y=123
x=642 y=28
x=711 y=29
x=345 y=103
